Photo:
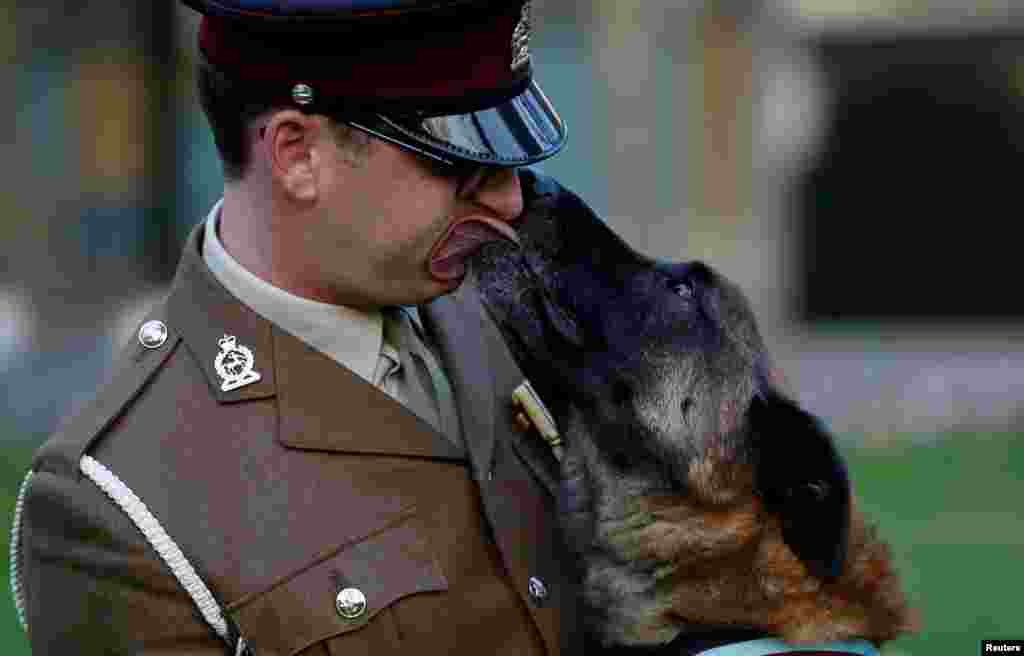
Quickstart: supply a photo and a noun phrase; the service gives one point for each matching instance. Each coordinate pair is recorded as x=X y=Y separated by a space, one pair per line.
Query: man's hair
x=231 y=107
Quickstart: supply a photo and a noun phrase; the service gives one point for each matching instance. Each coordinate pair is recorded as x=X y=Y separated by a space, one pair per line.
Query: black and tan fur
x=695 y=493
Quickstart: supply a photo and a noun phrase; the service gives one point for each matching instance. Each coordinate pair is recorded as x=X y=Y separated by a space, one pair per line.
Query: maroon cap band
x=452 y=63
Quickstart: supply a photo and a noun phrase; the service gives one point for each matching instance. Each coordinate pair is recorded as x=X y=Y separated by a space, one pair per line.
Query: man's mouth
x=448 y=257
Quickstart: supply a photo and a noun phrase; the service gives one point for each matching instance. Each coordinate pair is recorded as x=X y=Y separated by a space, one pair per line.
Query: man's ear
x=803 y=481
x=289 y=140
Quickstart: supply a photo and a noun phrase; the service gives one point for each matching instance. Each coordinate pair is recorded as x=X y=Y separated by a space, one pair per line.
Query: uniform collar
x=204 y=312
x=352 y=337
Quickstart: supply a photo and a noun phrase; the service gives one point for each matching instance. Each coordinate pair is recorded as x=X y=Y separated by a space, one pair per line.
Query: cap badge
x=521 y=39
x=234 y=364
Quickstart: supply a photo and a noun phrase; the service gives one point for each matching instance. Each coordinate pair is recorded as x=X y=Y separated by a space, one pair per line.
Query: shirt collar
x=353 y=338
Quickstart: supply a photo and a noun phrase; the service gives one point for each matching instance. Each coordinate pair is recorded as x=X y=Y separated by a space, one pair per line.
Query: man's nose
x=501 y=193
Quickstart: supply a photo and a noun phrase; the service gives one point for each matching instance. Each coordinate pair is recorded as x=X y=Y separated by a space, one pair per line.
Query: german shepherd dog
x=695 y=494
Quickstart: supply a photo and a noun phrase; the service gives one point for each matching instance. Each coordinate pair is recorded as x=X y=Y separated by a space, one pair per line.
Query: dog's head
x=683 y=456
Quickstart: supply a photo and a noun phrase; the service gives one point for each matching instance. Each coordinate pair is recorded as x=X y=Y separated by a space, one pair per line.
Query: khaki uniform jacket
x=283 y=492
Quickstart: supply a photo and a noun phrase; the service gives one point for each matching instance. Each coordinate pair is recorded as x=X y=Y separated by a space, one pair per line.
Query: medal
x=530 y=411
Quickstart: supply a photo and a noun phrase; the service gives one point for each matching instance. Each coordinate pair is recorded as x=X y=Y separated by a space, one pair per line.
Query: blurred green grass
x=952 y=511
x=950 y=507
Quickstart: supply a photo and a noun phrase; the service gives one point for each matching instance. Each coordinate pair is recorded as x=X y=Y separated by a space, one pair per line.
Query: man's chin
x=433 y=288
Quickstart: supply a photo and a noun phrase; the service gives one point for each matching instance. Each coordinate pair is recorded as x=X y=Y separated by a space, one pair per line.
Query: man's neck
x=262 y=237
x=246 y=234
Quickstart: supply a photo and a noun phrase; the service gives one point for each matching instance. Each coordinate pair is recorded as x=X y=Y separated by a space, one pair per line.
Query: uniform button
x=153 y=334
x=302 y=94
x=351 y=603
x=538 y=591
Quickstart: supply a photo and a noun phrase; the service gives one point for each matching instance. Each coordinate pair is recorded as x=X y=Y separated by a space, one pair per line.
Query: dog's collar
x=752 y=642
x=776 y=647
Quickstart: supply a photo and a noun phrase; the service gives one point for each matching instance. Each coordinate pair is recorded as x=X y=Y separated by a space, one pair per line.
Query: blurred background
x=853 y=164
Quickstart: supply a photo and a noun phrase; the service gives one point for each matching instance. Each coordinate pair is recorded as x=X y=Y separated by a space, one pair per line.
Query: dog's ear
x=803 y=480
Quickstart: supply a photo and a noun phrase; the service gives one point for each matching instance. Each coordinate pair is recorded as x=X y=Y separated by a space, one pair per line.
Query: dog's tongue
x=448 y=259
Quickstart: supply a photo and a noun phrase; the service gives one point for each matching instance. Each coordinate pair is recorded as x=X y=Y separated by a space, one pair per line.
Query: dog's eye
x=683 y=288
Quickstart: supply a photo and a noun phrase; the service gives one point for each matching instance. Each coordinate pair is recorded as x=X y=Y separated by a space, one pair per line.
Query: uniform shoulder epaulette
x=135 y=365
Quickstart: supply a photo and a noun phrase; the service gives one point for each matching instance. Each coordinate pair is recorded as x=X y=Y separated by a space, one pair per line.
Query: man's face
x=391 y=228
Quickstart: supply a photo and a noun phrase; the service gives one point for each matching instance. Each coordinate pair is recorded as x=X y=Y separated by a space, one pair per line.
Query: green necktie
x=423 y=373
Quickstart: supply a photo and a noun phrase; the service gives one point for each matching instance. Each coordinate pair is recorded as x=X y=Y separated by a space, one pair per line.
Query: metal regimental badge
x=234 y=364
x=521 y=39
